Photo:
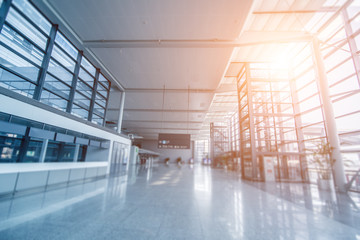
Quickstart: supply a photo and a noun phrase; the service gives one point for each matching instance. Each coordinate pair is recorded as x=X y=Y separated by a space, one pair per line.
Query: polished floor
x=172 y=202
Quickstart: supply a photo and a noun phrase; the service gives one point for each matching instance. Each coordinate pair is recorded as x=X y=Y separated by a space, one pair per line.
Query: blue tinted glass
x=97 y=120
x=104 y=81
x=16 y=84
x=59 y=55
x=60 y=72
x=83 y=88
x=86 y=77
x=100 y=100
x=78 y=111
x=100 y=89
x=10 y=147
x=88 y=66
x=33 y=14
x=53 y=100
x=17 y=64
x=26 y=28
x=66 y=45
x=57 y=87
x=81 y=100
x=52 y=151
x=99 y=110
x=33 y=151
x=21 y=45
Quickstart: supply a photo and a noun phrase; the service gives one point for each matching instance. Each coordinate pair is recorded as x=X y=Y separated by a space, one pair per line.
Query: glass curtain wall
x=267 y=123
x=281 y=109
x=68 y=81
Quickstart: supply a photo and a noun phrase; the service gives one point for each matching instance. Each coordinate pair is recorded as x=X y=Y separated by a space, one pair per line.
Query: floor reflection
x=155 y=201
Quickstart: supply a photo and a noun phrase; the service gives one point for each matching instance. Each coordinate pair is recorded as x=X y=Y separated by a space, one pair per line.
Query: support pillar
x=4 y=10
x=121 y=112
x=43 y=150
x=76 y=153
x=251 y=124
x=329 y=118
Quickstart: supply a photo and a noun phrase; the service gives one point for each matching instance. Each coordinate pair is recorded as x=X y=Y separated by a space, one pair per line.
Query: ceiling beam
x=151 y=128
x=246 y=39
x=161 y=90
x=163 y=110
x=159 y=121
x=223 y=88
x=323 y=9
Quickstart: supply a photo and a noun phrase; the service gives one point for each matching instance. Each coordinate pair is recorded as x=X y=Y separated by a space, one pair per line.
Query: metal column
x=251 y=123
x=121 y=112
x=331 y=128
x=4 y=10
x=43 y=150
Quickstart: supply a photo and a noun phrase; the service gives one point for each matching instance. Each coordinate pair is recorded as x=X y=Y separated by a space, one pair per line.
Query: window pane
x=9 y=147
x=86 y=77
x=99 y=110
x=83 y=88
x=57 y=87
x=355 y=24
x=102 y=90
x=348 y=123
x=100 y=100
x=347 y=85
x=312 y=117
x=33 y=151
x=80 y=112
x=336 y=58
x=307 y=91
x=357 y=41
x=341 y=72
x=66 y=45
x=17 y=64
x=34 y=15
x=61 y=57
x=97 y=120
x=53 y=100
x=81 y=100
x=104 y=81
x=88 y=66
x=60 y=72
x=21 y=45
x=16 y=84
x=52 y=152
x=347 y=105
x=26 y=28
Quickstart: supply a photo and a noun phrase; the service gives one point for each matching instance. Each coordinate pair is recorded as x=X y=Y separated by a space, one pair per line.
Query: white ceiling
x=168 y=89
x=171 y=56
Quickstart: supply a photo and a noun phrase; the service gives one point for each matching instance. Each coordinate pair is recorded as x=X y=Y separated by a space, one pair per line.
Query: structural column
x=251 y=123
x=43 y=150
x=121 y=111
x=299 y=132
x=76 y=152
x=332 y=133
x=4 y=10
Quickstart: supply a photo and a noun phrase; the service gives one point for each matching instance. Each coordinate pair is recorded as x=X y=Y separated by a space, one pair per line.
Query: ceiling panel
x=156 y=19
x=174 y=68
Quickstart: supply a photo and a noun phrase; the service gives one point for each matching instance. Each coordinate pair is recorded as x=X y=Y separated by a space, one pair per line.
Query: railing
x=349 y=174
x=355 y=186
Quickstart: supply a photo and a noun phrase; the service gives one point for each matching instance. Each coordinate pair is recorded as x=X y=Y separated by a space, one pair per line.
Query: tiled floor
x=171 y=202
